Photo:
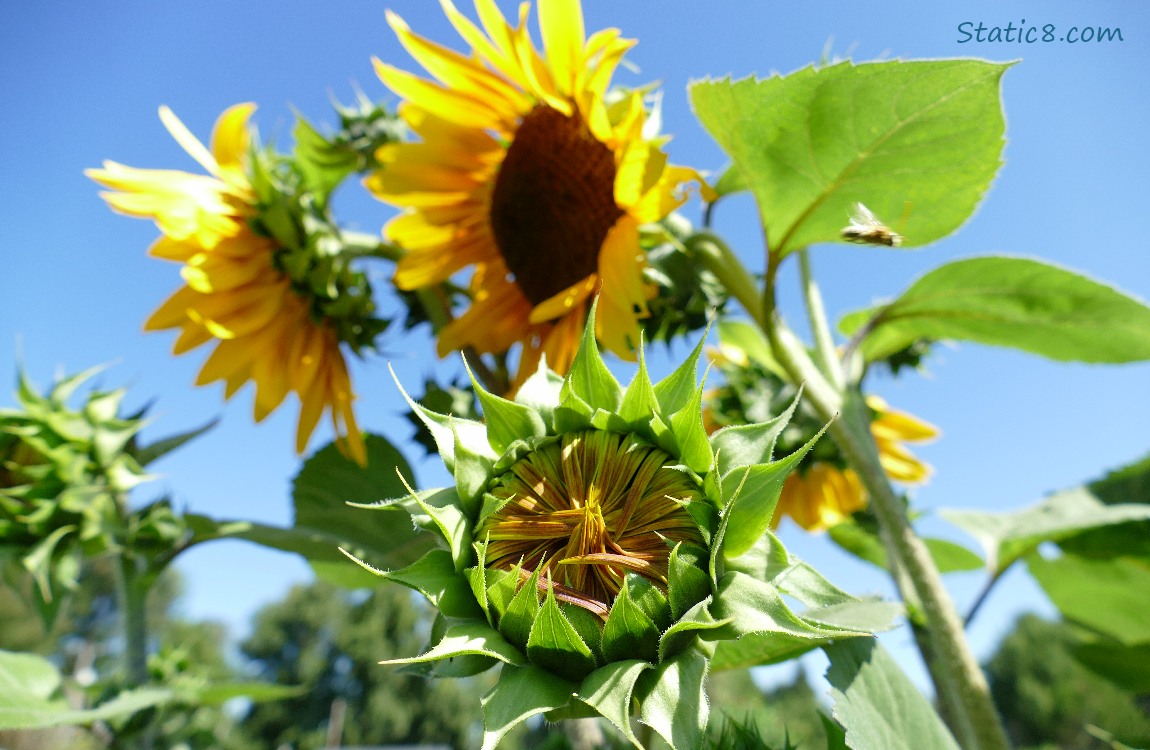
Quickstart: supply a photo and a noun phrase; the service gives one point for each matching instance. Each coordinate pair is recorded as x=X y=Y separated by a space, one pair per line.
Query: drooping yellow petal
x=189 y=142
x=450 y=105
x=563 y=302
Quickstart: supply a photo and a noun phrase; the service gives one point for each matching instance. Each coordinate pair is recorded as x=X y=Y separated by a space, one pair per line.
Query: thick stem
x=849 y=428
x=718 y=258
x=132 y=595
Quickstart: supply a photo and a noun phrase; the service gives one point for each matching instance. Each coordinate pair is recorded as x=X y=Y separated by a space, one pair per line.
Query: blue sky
x=82 y=82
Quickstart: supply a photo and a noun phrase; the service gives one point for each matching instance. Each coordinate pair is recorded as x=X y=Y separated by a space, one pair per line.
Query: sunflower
x=823 y=493
x=528 y=172
x=264 y=328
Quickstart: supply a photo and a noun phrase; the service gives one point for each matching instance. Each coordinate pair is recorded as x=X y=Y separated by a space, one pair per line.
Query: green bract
x=658 y=567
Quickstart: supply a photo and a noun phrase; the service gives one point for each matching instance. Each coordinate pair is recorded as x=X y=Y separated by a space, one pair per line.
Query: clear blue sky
x=82 y=81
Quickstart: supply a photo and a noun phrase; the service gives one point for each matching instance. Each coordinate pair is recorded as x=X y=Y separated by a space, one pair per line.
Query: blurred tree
x=1047 y=698
x=332 y=641
x=788 y=711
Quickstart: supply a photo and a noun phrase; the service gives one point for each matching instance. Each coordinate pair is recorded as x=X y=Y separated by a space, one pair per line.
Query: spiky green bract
x=714 y=574
x=64 y=475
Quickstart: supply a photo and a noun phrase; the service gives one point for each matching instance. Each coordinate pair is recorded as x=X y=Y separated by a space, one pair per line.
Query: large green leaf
x=916 y=140
x=383 y=538
x=1008 y=536
x=1014 y=302
x=878 y=705
x=1128 y=667
x=608 y=690
x=1107 y=596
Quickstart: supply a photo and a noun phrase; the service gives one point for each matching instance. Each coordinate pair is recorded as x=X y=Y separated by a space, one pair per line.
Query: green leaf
x=1128 y=667
x=1006 y=537
x=755 y=606
x=751 y=341
x=865 y=544
x=1108 y=596
x=675 y=390
x=256 y=692
x=694 y=622
x=673 y=700
x=917 y=140
x=28 y=696
x=730 y=181
x=541 y=392
x=520 y=693
x=447 y=431
x=555 y=645
x=434 y=575
x=325 y=485
x=878 y=705
x=1014 y=302
x=629 y=633
x=639 y=400
x=609 y=690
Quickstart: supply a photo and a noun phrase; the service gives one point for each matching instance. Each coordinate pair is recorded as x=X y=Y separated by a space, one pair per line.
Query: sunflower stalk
x=718 y=258
x=828 y=359
x=955 y=671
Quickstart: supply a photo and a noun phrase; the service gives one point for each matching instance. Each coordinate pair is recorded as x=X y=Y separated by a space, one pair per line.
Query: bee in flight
x=865 y=228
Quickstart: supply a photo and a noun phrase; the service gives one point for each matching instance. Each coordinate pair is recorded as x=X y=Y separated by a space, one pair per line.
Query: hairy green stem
x=957 y=669
x=828 y=358
x=714 y=254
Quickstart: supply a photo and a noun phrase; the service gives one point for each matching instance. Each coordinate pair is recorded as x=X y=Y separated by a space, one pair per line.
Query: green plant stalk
x=719 y=259
x=849 y=428
x=132 y=595
x=828 y=358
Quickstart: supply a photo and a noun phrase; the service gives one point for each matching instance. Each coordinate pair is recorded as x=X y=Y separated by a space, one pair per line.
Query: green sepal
x=609 y=691
x=756 y=490
x=693 y=447
x=677 y=388
x=434 y=575
x=448 y=431
x=651 y=600
x=629 y=631
x=465 y=665
x=520 y=693
x=680 y=635
x=747 y=444
x=472 y=473
x=589 y=381
x=501 y=590
x=757 y=607
x=521 y=612
x=687 y=584
x=477 y=580
x=588 y=626
x=639 y=402
x=506 y=420
x=541 y=392
x=673 y=699
x=555 y=645
x=451 y=523
x=468 y=638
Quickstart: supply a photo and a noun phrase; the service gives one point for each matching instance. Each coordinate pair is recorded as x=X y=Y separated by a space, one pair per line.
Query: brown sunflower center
x=588 y=509
x=553 y=203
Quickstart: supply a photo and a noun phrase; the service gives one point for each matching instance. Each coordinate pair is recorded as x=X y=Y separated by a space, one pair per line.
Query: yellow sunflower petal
x=562 y=341
x=563 y=302
x=431 y=265
x=173 y=313
x=448 y=104
x=461 y=73
x=561 y=25
x=191 y=336
x=187 y=141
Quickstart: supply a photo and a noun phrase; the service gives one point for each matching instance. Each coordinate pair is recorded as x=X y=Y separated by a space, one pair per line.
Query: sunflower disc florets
x=607 y=553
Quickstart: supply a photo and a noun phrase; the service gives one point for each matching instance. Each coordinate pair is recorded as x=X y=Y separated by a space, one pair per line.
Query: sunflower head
x=600 y=547
x=529 y=173
x=265 y=282
x=825 y=490
x=64 y=475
